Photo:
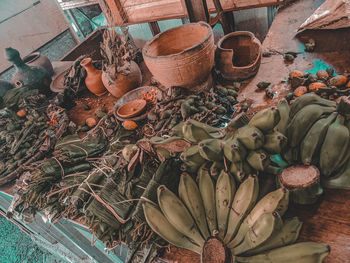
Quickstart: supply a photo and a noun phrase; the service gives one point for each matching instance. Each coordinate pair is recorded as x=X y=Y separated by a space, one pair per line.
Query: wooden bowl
x=238 y=55
x=132 y=108
x=182 y=56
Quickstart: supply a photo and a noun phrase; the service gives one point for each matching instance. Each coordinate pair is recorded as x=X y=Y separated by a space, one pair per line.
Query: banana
x=339 y=181
x=276 y=201
x=314 y=138
x=302 y=122
x=266 y=119
x=207 y=190
x=195 y=131
x=264 y=227
x=239 y=170
x=190 y=195
x=304 y=252
x=210 y=129
x=334 y=147
x=159 y=224
x=178 y=215
x=224 y=193
x=191 y=154
x=211 y=149
x=177 y=130
x=234 y=150
x=308 y=99
x=284 y=110
x=244 y=200
x=251 y=137
x=275 y=142
x=286 y=236
x=216 y=168
x=258 y=159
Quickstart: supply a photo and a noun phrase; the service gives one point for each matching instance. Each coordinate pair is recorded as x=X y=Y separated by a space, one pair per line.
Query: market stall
x=235 y=154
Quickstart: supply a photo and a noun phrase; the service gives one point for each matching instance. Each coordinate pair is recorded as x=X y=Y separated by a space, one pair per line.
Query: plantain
x=275 y=142
x=224 y=193
x=308 y=99
x=243 y=202
x=207 y=190
x=211 y=149
x=303 y=252
x=266 y=119
x=302 y=122
x=287 y=235
x=334 y=147
x=234 y=150
x=284 y=110
x=178 y=215
x=314 y=138
x=258 y=159
x=273 y=201
x=190 y=195
x=159 y=224
x=251 y=137
x=264 y=227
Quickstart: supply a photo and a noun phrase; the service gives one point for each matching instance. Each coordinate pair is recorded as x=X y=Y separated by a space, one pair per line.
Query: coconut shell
x=214 y=251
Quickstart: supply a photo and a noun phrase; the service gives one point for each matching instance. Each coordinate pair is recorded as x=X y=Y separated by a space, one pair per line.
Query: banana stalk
x=160 y=225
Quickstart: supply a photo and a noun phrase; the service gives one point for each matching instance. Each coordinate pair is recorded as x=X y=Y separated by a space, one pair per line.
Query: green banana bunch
x=244 y=200
x=275 y=142
x=192 y=158
x=266 y=119
x=190 y=195
x=239 y=170
x=224 y=193
x=207 y=190
x=258 y=159
x=314 y=138
x=234 y=150
x=178 y=215
x=287 y=235
x=309 y=99
x=264 y=227
x=158 y=222
x=284 y=110
x=304 y=252
x=334 y=146
x=211 y=149
x=276 y=201
x=303 y=120
x=195 y=131
x=251 y=137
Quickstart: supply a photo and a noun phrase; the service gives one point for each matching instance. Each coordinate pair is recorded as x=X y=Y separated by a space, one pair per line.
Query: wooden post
x=154 y=28
x=197 y=10
x=226 y=19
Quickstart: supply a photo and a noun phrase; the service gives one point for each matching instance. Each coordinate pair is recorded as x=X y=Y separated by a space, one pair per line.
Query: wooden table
x=329 y=220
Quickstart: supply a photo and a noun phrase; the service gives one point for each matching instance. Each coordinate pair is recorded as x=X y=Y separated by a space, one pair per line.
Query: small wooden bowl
x=132 y=108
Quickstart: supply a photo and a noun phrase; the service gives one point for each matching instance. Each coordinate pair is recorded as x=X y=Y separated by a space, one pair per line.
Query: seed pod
x=232 y=93
x=322 y=75
x=129 y=151
x=338 y=81
x=312 y=78
x=166 y=114
x=210 y=105
x=231 y=99
x=263 y=85
x=221 y=110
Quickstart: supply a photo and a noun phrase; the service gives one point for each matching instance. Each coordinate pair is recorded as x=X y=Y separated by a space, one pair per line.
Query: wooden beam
x=154 y=28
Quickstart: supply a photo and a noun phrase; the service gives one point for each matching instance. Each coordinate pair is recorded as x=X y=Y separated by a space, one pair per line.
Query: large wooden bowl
x=182 y=56
x=238 y=55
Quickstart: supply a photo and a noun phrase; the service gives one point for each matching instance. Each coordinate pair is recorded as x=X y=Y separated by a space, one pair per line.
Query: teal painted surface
x=16 y=246
x=319 y=64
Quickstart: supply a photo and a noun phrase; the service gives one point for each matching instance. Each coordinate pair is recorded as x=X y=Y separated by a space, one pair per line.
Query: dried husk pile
x=28 y=138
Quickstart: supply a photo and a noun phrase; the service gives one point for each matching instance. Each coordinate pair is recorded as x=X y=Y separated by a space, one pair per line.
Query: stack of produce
x=242 y=151
x=252 y=230
x=28 y=135
x=213 y=107
x=318 y=134
x=324 y=83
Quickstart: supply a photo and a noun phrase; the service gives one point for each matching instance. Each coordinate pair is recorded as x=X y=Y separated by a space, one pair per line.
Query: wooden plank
x=141 y=11
x=30 y=29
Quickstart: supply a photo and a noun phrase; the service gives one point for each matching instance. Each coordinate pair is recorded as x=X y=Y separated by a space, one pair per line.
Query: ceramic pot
x=93 y=80
x=39 y=60
x=132 y=108
x=238 y=55
x=123 y=83
x=32 y=77
x=182 y=56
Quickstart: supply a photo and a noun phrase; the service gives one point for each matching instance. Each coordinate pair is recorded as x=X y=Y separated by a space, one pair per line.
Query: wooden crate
x=123 y=12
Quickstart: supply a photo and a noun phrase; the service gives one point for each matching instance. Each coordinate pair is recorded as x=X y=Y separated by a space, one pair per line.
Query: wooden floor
x=327 y=221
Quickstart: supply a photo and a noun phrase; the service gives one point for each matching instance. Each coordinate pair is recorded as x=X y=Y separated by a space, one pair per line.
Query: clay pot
x=39 y=60
x=132 y=108
x=123 y=83
x=238 y=55
x=93 y=80
x=182 y=56
x=31 y=77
